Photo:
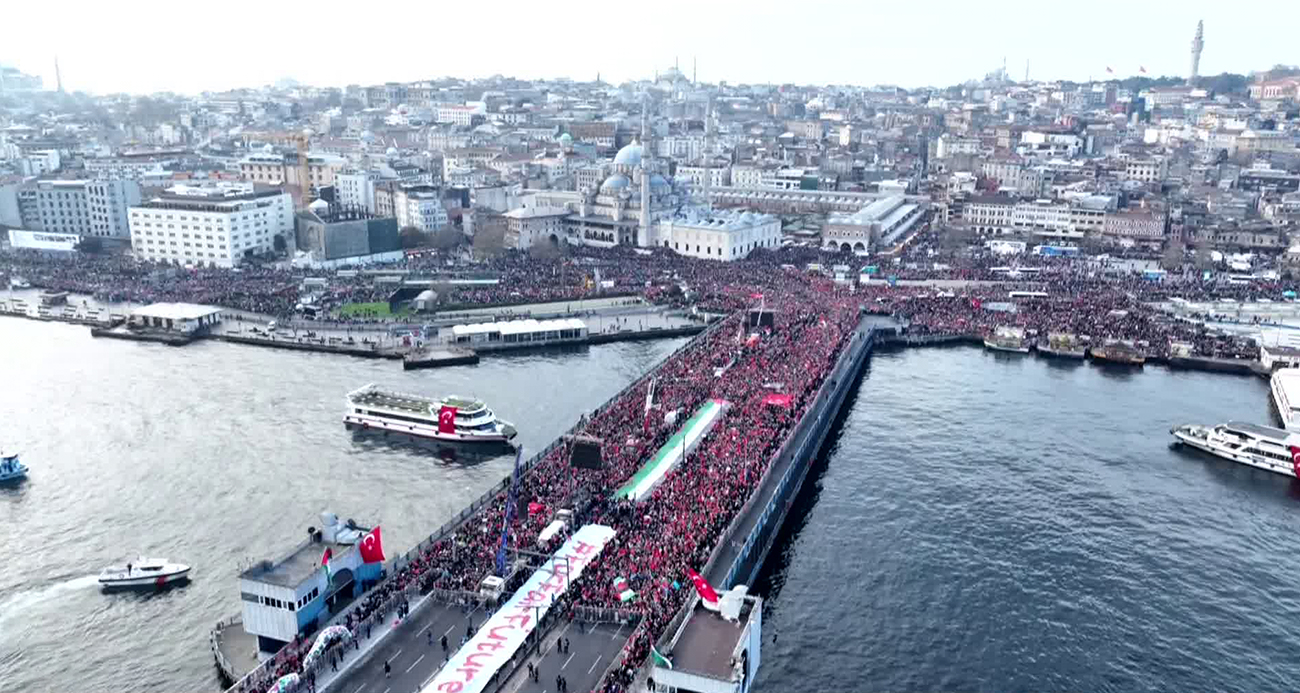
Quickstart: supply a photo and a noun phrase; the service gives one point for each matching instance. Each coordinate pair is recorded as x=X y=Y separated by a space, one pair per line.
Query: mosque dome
x=390 y=152
x=629 y=155
x=319 y=206
x=615 y=183
x=566 y=139
x=269 y=149
x=658 y=182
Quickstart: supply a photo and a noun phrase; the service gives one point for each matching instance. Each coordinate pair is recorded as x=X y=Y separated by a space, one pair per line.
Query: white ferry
x=1245 y=443
x=451 y=419
x=143 y=573
x=1284 y=387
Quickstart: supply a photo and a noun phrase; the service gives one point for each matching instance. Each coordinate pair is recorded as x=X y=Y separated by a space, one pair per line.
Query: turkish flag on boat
x=707 y=595
x=372 y=547
x=1295 y=460
x=447 y=420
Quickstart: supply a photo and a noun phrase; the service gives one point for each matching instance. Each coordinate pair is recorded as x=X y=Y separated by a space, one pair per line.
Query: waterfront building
x=883 y=221
x=183 y=318
x=419 y=206
x=527 y=226
x=215 y=225
x=86 y=208
x=719 y=234
x=335 y=233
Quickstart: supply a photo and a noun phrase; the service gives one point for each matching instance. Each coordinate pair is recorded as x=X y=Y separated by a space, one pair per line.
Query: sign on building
x=41 y=240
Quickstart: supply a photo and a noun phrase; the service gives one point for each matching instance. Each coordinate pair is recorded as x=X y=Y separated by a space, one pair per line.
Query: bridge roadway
x=414 y=654
x=592 y=648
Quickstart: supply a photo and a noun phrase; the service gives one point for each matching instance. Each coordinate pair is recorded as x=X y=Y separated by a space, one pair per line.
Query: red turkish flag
x=447 y=420
x=1295 y=459
x=703 y=587
x=372 y=547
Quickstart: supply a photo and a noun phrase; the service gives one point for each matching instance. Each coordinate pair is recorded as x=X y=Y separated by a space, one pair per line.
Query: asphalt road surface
x=408 y=652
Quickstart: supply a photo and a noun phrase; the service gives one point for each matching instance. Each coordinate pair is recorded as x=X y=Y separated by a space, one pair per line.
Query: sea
x=977 y=522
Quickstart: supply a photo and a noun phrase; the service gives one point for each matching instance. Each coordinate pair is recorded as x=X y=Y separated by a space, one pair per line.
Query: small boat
x=1061 y=345
x=1010 y=339
x=1118 y=351
x=11 y=468
x=143 y=573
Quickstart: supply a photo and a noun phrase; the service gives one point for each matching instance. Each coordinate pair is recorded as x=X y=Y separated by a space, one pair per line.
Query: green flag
x=660 y=659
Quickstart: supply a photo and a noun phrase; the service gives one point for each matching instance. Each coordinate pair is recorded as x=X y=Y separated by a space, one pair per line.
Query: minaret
x=695 y=70
x=708 y=130
x=643 y=231
x=58 y=76
x=1198 y=42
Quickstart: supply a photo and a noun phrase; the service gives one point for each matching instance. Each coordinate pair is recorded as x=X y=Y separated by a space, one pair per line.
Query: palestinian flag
x=660 y=660
x=625 y=592
x=325 y=564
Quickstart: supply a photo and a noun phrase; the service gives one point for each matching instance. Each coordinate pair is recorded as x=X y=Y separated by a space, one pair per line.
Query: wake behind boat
x=1264 y=447
x=451 y=419
x=143 y=573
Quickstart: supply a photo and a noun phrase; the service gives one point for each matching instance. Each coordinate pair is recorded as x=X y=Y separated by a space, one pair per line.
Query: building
x=331 y=233
x=419 y=206
x=86 y=208
x=132 y=166
x=1147 y=170
x=1276 y=89
x=41 y=162
x=719 y=234
x=461 y=116
x=110 y=201
x=718 y=176
x=293 y=595
x=216 y=225
x=988 y=214
x=882 y=221
x=355 y=189
x=528 y=226
x=185 y=318
x=1135 y=228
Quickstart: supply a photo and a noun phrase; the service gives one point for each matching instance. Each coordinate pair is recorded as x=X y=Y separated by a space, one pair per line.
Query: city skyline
x=825 y=43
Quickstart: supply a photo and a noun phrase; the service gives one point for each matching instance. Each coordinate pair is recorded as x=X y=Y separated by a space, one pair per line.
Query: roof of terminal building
x=707 y=643
x=176 y=311
x=519 y=326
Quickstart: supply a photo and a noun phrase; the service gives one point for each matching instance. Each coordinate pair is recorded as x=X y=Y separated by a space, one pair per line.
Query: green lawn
x=378 y=309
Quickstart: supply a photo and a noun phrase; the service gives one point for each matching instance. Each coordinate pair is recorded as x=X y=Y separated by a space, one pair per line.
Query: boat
x=53 y=298
x=1010 y=339
x=19 y=283
x=11 y=468
x=1062 y=345
x=1284 y=393
x=1118 y=351
x=451 y=419
x=1263 y=447
x=143 y=573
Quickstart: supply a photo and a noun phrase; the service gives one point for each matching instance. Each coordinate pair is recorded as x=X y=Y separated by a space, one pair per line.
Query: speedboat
x=143 y=573
x=11 y=469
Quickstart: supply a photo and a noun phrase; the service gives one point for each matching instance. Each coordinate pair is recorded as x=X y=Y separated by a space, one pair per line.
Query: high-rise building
x=212 y=225
x=1198 y=42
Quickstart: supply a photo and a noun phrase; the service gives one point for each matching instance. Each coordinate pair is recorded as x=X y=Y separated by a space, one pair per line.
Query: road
x=591 y=649
x=411 y=657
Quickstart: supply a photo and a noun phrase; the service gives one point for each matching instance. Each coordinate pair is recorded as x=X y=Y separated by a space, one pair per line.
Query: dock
x=360 y=349
x=437 y=357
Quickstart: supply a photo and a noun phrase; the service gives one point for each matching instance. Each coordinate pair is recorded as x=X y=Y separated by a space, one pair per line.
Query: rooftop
x=519 y=326
x=708 y=641
x=176 y=311
x=299 y=565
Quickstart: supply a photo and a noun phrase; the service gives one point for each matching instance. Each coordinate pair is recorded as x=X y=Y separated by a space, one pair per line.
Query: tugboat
x=143 y=573
x=11 y=469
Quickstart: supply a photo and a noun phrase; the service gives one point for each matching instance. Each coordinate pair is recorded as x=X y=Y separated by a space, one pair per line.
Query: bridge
x=394 y=655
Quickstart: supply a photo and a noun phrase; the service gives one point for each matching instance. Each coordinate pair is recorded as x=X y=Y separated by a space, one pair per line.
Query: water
x=215 y=455
x=991 y=523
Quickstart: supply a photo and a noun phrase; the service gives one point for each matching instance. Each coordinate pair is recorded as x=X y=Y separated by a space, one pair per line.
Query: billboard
x=40 y=240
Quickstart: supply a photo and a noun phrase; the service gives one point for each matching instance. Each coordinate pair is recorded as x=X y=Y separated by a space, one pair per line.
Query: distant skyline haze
x=156 y=46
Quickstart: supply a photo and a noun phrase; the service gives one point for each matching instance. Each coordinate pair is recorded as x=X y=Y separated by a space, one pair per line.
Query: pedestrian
x=430 y=634
x=388 y=670
x=444 y=642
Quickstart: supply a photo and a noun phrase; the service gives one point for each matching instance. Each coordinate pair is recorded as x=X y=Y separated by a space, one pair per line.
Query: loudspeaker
x=585 y=452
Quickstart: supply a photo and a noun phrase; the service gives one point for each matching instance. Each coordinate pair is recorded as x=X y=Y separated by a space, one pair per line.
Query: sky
x=145 y=46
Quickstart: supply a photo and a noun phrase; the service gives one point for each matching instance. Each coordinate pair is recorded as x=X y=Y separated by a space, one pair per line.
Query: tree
x=91 y=244
x=1203 y=258
x=447 y=238
x=489 y=239
x=544 y=250
x=412 y=237
x=279 y=243
x=1173 y=256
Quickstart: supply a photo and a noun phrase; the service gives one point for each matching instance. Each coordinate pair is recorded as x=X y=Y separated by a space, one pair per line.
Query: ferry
x=1061 y=345
x=1008 y=339
x=143 y=573
x=11 y=468
x=1118 y=351
x=1250 y=444
x=1284 y=389
x=451 y=419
